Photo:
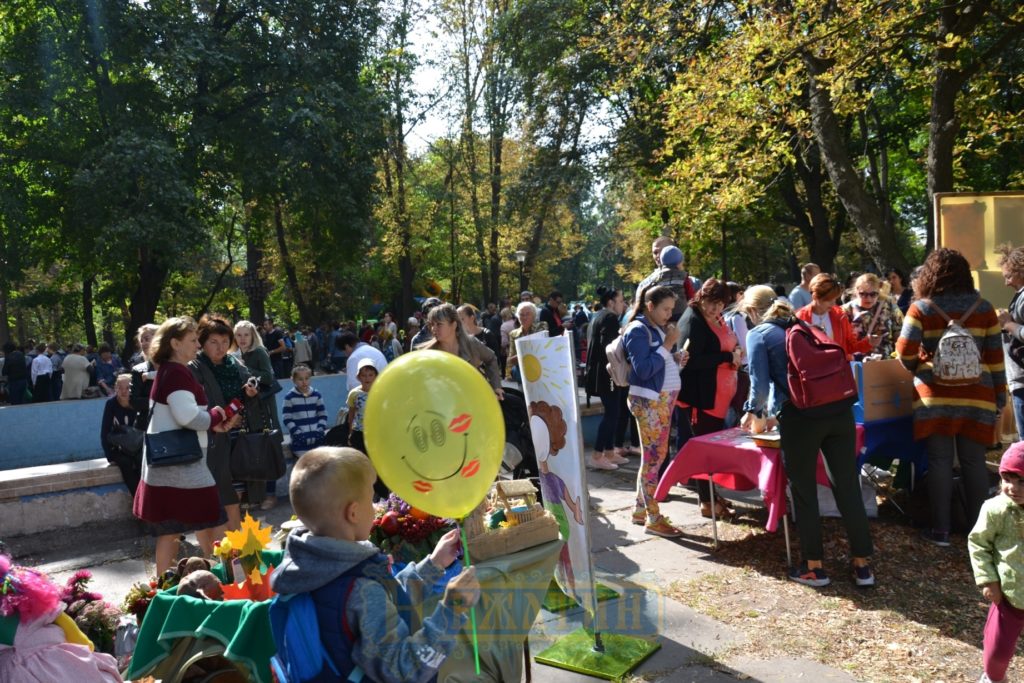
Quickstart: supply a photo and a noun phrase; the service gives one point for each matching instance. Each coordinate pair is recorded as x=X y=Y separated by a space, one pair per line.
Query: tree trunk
x=808 y=213
x=5 y=323
x=952 y=72
x=145 y=298
x=305 y=315
x=497 y=141
x=255 y=292
x=87 y=315
x=943 y=127
x=879 y=242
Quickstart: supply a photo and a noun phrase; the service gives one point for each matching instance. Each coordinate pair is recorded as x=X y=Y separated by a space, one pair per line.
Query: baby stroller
x=520 y=460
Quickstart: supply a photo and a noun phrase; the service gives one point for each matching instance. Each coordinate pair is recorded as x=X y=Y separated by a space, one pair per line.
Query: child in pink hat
x=996 y=546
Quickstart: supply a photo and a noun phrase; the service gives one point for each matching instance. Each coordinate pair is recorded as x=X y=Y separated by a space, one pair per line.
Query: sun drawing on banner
x=545 y=369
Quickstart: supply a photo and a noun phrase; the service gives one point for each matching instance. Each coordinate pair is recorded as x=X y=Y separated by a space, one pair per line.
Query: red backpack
x=820 y=380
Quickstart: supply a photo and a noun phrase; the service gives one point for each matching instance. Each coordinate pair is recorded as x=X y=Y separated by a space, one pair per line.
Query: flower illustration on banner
x=549 y=429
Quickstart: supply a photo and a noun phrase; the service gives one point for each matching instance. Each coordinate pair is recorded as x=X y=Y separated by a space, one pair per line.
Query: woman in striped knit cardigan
x=952 y=418
x=180 y=498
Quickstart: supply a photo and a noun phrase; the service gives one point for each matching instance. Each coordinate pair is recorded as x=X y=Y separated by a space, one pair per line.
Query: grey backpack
x=957 y=359
x=618 y=362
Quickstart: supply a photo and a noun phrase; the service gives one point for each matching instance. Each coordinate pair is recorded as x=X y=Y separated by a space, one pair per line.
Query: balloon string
x=472 y=610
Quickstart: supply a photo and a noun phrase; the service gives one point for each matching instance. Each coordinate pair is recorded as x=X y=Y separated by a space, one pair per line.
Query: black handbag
x=127 y=438
x=257 y=456
x=173 y=447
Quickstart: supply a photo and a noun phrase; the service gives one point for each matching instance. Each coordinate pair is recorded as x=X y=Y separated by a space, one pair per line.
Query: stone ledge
x=31 y=481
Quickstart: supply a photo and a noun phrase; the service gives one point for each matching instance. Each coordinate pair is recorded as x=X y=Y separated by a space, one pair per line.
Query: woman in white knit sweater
x=179 y=498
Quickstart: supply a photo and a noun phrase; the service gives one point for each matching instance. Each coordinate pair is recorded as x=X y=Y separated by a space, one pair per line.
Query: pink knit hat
x=1013 y=460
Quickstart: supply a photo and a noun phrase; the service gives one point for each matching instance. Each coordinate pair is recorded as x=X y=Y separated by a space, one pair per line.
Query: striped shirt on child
x=305 y=417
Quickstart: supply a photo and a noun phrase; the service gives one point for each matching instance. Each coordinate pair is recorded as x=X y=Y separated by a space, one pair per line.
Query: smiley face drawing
x=440 y=451
x=435 y=432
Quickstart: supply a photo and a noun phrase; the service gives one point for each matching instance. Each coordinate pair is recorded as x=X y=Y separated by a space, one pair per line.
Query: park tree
x=819 y=104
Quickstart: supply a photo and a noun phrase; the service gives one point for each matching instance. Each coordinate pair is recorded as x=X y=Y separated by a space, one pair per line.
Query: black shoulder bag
x=258 y=456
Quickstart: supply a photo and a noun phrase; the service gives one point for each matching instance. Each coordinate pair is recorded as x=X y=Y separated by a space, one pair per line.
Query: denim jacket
x=647 y=373
x=766 y=360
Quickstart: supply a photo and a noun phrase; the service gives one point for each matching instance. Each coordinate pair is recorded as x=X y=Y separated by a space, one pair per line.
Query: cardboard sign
x=885 y=389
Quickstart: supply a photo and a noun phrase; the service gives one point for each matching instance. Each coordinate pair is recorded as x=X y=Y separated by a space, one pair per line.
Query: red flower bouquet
x=405 y=533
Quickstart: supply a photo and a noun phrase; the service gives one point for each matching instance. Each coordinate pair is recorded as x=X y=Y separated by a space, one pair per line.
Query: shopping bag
x=258 y=456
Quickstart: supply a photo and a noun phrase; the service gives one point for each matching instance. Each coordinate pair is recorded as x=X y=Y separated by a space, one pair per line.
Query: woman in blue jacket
x=653 y=385
x=802 y=437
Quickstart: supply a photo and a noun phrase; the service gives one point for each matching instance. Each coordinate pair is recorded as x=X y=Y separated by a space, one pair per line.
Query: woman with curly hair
x=1011 y=261
x=953 y=418
x=223 y=379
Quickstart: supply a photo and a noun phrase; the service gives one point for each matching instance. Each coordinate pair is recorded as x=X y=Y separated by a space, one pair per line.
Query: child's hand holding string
x=446 y=550
x=463 y=591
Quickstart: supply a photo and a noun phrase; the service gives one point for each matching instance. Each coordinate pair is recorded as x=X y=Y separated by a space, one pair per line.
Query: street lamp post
x=521 y=259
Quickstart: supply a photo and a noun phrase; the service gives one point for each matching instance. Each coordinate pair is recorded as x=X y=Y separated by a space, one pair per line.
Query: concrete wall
x=69 y=431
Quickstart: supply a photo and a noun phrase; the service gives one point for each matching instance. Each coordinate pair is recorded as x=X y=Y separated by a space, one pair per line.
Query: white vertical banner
x=547 y=367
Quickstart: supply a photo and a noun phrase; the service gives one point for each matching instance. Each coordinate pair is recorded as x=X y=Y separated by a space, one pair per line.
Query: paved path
x=694 y=646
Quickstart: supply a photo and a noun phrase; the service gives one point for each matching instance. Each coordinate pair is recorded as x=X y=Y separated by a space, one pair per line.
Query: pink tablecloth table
x=730 y=458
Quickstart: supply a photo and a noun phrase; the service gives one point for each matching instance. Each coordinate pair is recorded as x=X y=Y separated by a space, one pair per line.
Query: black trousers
x=130 y=465
x=836 y=437
x=41 y=390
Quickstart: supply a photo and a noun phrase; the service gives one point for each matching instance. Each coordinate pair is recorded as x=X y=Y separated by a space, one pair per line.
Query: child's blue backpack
x=301 y=655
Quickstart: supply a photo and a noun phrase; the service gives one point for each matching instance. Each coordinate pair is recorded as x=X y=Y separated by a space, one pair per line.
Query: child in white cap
x=996 y=546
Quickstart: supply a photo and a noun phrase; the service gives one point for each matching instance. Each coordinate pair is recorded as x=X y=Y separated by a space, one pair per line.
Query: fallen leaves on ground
x=922 y=622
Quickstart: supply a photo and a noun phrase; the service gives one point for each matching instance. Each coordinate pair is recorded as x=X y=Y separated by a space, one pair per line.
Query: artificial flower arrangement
x=136 y=602
x=405 y=533
x=97 y=618
x=241 y=553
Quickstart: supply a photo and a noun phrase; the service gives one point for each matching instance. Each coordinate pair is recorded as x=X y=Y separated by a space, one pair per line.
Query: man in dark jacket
x=16 y=371
x=549 y=314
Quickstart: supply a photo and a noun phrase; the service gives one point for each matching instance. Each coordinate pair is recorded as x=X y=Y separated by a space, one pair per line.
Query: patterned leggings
x=654 y=420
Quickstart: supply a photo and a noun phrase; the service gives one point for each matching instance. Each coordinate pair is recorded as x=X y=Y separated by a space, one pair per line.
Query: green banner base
x=575 y=652
x=557 y=601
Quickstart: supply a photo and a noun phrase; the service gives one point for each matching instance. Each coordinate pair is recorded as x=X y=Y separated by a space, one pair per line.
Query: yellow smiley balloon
x=435 y=432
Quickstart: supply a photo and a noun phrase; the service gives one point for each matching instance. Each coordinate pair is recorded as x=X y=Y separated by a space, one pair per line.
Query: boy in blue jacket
x=348 y=579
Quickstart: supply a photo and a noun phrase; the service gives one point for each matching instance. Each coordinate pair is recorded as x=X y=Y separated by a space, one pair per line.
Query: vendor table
x=177 y=629
x=730 y=458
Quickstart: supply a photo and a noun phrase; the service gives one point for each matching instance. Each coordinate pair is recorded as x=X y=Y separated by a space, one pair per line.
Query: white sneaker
x=614 y=458
x=596 y=463
x=985 y=679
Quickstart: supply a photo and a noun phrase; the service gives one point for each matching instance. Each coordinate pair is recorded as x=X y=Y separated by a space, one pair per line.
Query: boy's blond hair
x=325 y=477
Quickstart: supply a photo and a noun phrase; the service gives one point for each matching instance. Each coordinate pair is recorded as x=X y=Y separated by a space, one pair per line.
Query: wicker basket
x=540 y=530
x=523 y=516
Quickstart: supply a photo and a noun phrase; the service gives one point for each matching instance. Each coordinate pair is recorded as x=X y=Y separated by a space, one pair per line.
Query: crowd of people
x=709 y=355
x=702 y=357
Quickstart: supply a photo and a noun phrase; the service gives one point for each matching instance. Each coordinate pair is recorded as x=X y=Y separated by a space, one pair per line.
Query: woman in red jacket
x=823 y=312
